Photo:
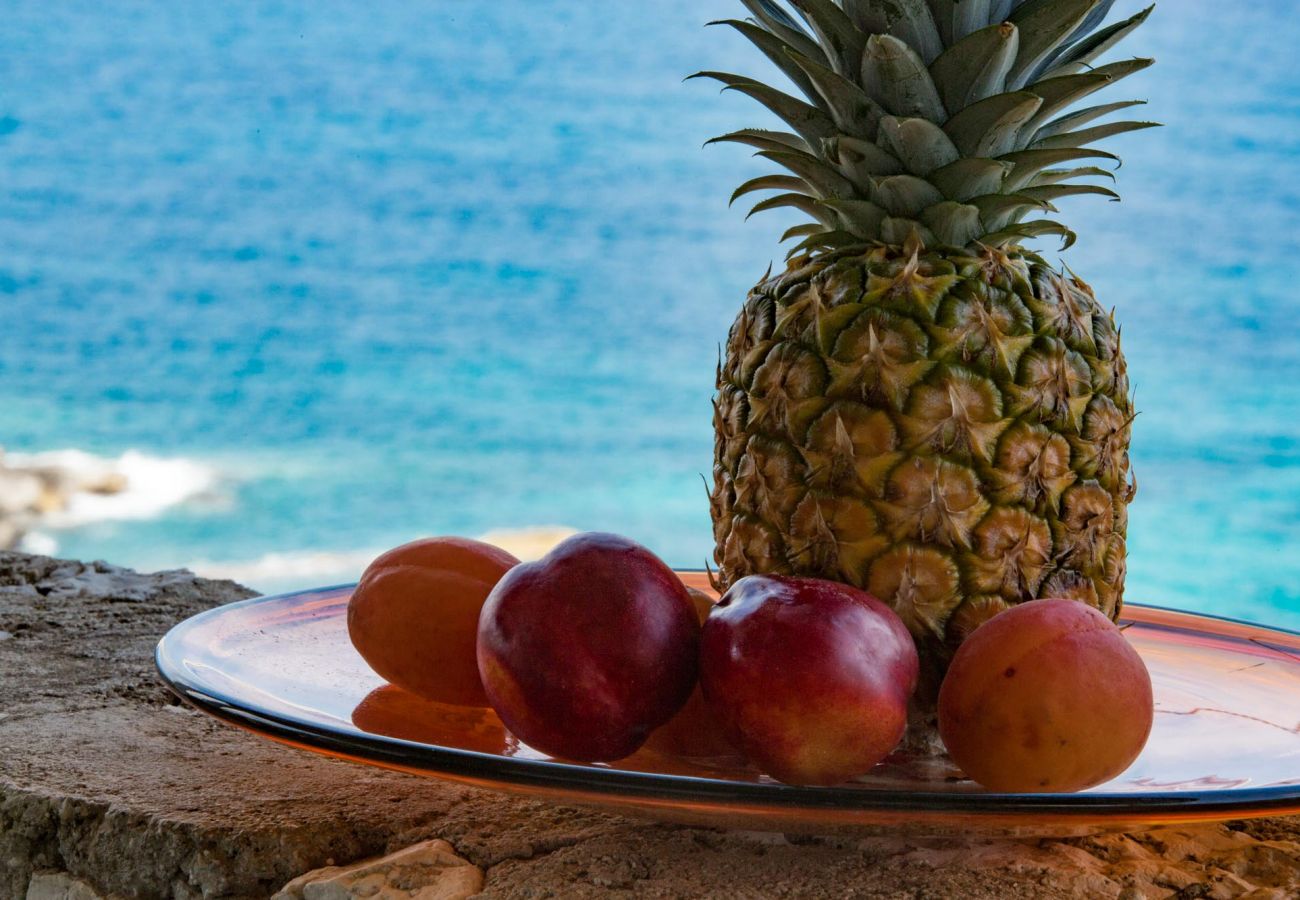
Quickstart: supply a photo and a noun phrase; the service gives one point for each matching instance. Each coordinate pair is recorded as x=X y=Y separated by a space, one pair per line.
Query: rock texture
x=109 y=788
x=430 y=870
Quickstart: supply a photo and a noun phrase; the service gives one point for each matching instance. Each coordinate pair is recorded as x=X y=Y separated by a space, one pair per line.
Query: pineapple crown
x=942 y=122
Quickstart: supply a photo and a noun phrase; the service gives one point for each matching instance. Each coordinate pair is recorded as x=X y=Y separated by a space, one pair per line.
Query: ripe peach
x=414 y=616
x=695 y=730
x=1046 y=696
x=810 y=678
x=585 y=651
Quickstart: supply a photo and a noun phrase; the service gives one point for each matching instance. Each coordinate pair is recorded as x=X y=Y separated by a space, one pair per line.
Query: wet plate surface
x=1226 y=740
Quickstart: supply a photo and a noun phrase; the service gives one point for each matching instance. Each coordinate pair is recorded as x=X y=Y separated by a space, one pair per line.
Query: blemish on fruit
x=1010 y=672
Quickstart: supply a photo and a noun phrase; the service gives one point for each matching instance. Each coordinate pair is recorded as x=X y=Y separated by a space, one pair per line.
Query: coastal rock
x=61 y=886
x=109 y=788
x=430 y=870
x=31 y=490
x=20 y=492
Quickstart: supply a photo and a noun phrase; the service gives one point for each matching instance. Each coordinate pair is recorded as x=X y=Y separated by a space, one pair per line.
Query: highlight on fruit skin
x=810 y=678
x=586 y=651
x=1048 y=696
x=414 y=615
x=918 y=405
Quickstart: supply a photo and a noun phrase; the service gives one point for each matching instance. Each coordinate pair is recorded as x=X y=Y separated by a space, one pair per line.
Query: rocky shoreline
x=30 y=492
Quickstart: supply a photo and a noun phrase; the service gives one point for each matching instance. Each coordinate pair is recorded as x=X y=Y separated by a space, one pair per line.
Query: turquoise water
x=384 y=270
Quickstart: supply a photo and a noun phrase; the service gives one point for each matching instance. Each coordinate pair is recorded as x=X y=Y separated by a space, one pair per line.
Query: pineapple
x=919 y=405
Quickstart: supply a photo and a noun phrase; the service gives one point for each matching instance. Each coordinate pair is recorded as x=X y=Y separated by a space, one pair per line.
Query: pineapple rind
x=947 y=430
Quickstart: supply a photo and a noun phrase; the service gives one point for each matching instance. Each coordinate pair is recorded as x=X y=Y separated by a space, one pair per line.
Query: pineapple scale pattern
x=948 y=432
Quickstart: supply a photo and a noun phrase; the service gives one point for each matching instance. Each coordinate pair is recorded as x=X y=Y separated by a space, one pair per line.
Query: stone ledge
x=109 y=787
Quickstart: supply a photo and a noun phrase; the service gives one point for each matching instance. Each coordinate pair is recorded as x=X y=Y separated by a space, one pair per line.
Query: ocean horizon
x=322 y=278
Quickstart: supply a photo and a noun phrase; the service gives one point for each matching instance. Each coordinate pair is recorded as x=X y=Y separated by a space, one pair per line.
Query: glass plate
x=1225 y=744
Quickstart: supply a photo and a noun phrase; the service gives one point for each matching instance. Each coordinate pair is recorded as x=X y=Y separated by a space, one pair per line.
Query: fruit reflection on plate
x=1226 y=741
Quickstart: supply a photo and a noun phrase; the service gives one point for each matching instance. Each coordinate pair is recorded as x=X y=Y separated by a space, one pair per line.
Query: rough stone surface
x=108 y=787
x=429 y=870
x=59 y=886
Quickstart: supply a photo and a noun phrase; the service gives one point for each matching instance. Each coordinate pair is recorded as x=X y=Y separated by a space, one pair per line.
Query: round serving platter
x=1225 y=743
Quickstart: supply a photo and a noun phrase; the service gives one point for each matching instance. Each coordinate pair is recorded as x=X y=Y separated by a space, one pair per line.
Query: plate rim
x=559 y=776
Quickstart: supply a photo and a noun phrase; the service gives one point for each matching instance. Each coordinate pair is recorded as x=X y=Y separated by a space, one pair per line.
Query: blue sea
x=327 y=276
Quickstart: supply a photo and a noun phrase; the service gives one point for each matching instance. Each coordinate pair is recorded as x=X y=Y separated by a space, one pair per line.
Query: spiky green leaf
x=763 y=140
x=990 y=127
x=1094 y=19
x=809 y=206
x=826 y=240
x=1034 y=229
x=861 y=161
x=772 y=13
x=1077 y=57
x=778 y=21
x=1058 y=93
x=858 y=216
x=835 y=32
x=1001 y=10
x=912 y=23
x=775 y=50
x=768 y=183
x=1044 y=25
x=856 y=114
x=818 y=174
x=896 y=78
x=920 y=144
x=1089 y=135
x=971 y=177
x=1056 y=176
x=1028 y=163
x=953 y=224
x=808 y=121
x=804 y=230
x=899 y=231
x=1078 y=119
x=999 y=210
x=1050 y=192
x=905 y=195
x=957 y=18
x=1090 y=24
x=975 y=67
x=867 y=16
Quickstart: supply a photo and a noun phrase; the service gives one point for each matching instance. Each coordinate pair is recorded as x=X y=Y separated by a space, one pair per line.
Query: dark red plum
x=810 y=678
x=587 y=650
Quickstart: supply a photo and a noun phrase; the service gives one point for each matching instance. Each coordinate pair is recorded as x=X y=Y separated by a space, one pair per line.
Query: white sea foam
x=282 y=571
x=38 y=542
x=146 y=486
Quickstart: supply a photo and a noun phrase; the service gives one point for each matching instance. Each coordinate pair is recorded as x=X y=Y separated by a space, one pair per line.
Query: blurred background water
x=336 y=275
